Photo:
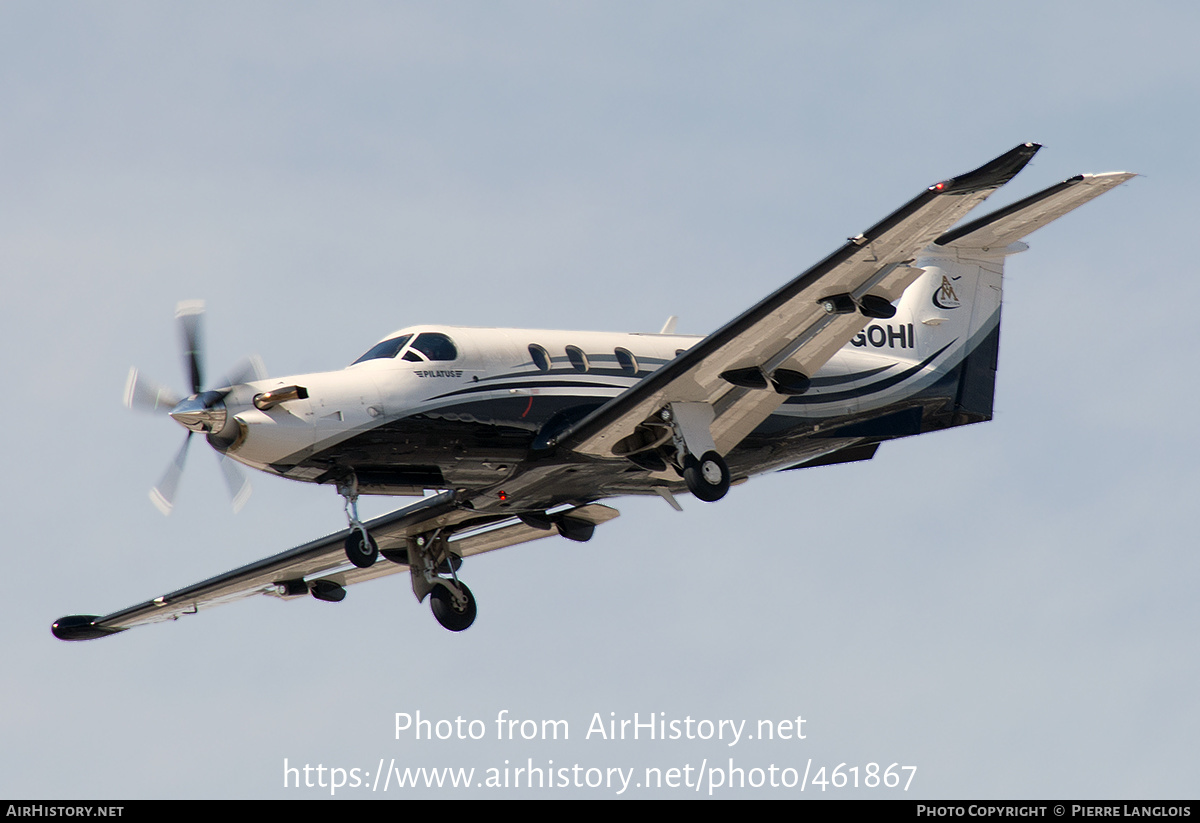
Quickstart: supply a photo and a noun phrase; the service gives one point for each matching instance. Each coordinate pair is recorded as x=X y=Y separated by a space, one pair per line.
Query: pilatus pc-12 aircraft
x=521 y=432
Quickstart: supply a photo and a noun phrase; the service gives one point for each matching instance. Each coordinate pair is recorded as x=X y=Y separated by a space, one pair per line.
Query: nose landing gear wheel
x=706 y=478
x=452 y=616
x=360 y=553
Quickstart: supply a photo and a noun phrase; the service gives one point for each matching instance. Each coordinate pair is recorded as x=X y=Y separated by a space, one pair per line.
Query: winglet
x=990 y=175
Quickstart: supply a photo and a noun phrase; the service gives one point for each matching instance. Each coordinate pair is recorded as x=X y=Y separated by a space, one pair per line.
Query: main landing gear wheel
x=452 y=616
x=706 y=478
x=359 y=552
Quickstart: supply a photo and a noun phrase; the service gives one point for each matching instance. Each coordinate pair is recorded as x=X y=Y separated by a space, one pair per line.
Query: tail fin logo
x=945 y=297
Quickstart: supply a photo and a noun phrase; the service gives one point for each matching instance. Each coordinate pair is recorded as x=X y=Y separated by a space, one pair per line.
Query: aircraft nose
x=201 y=413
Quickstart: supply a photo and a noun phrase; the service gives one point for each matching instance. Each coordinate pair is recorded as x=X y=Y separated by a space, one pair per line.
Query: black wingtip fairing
x=990 y=175
x=80 y=627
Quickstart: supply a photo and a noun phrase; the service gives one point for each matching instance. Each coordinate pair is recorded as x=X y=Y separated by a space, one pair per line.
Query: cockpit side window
x=388 y=348
x=435 y=346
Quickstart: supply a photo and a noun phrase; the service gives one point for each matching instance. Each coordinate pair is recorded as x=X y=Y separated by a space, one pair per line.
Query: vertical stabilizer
x=956 y=304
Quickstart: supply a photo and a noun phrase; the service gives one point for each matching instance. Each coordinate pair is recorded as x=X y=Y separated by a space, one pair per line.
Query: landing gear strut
x=361 y=549
x=707 y=476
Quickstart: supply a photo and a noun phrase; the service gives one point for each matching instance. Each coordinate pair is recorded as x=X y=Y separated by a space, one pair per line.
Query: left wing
x=746 y=369
x=320 y=567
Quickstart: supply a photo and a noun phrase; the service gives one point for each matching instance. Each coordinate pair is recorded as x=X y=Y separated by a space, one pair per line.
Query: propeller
x=199 y=412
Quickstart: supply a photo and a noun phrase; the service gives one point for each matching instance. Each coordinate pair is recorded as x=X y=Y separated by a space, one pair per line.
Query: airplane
x=511 y=435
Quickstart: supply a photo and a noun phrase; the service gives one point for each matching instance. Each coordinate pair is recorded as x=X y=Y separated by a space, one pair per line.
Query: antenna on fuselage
x=669 y=326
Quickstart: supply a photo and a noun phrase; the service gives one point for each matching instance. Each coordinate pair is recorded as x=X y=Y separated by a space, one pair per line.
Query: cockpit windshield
x=429 y=345
x=388 y=348
x=435 y=346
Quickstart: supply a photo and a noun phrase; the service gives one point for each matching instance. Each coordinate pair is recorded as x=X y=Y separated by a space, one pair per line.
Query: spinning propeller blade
x=188 y=313
x=147 y=394
x=195 y=412
x=163 y=493
x=251 y=368
x=236 y=481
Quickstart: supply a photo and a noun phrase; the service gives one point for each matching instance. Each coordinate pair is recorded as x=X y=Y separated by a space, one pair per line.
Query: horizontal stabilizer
x=1010 y=224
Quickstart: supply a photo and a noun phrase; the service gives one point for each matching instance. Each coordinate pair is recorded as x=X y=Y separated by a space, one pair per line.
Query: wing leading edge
x=793 y=331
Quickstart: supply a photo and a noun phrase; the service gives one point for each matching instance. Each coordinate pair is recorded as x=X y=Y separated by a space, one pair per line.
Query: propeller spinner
x=200 y=412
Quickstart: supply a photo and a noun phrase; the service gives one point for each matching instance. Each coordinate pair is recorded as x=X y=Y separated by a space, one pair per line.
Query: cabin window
x=578 y=359
x=435 y=346
x=627 y=361
x=388 y=348
x=541 y=357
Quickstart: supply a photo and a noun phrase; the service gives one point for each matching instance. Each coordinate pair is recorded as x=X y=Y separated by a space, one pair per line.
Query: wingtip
x=1111 y=178
x=80 y=627
x=1103 y=181
x=990 y=175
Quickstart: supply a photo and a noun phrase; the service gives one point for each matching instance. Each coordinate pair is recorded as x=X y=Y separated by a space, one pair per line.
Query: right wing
x=322 y=569
x=746 y=369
